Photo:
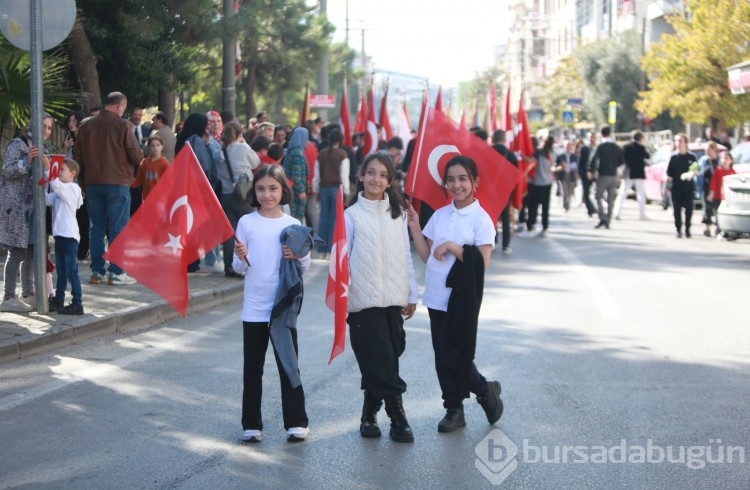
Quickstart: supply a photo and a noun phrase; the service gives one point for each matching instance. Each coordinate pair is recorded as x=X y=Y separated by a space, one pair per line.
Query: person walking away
x=107 y=152
x=707 y=165
x=331 y=172
x=65 y=199
x=498 y=144
x=716 y=191
x=681 y=169
x=152 y=167
x=382 y=291
x=584 y=158
x=567 y=162
x=636 y=157
x=456 y=246
x=603 y=167
x=257 y=255
x=540 y=186
x=238 y=155
x=17 y=228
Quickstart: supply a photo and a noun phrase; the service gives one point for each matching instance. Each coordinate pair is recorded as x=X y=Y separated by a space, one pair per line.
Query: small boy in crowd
x=152 y=167
x=65 y=199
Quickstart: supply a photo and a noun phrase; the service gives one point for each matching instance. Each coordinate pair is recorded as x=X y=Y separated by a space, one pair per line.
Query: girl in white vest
x=462 y=222
x=382 y=290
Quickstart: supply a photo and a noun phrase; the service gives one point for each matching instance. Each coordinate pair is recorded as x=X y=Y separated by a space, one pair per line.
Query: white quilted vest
x=379 y=271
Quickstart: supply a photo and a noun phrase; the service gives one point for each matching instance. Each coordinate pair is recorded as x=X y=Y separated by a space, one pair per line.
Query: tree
x=687 y=70
x=610 y=69
x=565 y=83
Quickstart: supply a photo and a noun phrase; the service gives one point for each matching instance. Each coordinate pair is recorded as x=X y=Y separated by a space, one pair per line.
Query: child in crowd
x=257 y=255
x=65 y=199
x=152 y=167
x=716 y=193
x=456 y=244
x=382 y=289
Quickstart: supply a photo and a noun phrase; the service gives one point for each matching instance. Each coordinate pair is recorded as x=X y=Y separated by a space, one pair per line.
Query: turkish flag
x=491 y=109
x=462 y=122
x=385 y=121
x=523 y=139
x=370 y=144
x=55 y=161
x=346 y=128
x=179 y=222
x=337 y=290
x=440 y=138
x=360 y=123
x=510 y=135
x=439 y=100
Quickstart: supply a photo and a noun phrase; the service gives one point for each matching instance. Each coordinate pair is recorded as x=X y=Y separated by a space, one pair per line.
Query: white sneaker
x=29 y=300
x=252 y=435
x=15 y=305
x=218 y=268
x=120 y=279
x=295 y=434
x=507 y=251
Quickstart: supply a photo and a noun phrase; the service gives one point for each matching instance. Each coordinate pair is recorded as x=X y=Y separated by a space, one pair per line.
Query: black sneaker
x=454 y=419
x=54 y=303
x=71 y=309
x=491 y=402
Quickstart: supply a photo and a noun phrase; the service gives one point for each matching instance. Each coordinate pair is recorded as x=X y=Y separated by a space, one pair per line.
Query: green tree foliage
x=610 y=70
x=687 y=70
x=565 y=83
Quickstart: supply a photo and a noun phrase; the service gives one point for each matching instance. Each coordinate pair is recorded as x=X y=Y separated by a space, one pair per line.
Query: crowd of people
x=112 y=164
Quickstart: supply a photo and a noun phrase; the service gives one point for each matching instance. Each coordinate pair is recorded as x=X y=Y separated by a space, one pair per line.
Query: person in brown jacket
x=331 y=172
x=107 y=152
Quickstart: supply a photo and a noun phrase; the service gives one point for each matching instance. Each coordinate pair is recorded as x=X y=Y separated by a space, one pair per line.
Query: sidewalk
x=108 y=309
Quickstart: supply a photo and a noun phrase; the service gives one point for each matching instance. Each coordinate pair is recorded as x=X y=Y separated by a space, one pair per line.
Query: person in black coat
x=584 y=157
x=680 y=172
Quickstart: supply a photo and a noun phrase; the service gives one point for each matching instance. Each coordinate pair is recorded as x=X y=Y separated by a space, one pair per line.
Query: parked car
x=734 y=211
x=741 y=154
x=656 y=174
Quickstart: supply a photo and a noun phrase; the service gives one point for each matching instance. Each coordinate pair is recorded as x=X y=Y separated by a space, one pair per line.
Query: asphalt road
x=623 y=356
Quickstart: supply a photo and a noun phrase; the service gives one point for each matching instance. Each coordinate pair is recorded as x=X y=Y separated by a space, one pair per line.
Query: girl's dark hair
x=229 y=133
x=276 y=172
x=467 y=163
x=398 y=205
x=548 y=144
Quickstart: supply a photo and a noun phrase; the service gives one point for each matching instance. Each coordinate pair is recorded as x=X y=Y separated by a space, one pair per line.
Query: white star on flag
x=174 y=242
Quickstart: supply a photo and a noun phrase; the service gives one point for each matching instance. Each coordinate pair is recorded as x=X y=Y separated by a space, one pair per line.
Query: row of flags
x=182 y=219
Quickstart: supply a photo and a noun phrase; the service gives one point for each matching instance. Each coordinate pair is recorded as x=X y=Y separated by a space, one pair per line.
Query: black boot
x=491 y=402
x=400 y=430
x=369 y=426
x=454 y=418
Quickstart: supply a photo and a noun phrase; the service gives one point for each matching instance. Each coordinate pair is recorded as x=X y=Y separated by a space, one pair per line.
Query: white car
x=734 y=211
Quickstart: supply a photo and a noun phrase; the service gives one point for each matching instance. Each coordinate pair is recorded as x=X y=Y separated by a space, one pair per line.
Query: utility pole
x=228 y=95
x=323 y=69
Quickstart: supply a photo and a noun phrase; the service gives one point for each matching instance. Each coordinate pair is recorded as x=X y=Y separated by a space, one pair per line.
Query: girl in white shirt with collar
x=440 y=244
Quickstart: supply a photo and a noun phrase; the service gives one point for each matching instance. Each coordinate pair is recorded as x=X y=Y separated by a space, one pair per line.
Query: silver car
x=734 y=211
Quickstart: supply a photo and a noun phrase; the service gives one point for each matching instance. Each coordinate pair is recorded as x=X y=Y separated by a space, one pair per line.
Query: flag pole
x=422 y=126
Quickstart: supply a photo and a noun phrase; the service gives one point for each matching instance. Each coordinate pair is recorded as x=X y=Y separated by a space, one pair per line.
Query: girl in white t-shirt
x=257 y=254
x=440 y=244
x=382 y=289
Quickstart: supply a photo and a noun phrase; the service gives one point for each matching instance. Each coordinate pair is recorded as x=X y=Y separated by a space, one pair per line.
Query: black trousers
x=538 y=194
x=378 y=340
x=505 y=220
x=450 y=365
x=586 y=183
x=682 y=199
x=255 y=338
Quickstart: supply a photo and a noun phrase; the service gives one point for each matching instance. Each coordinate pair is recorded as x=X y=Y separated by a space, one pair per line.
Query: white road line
x=604 y=301
x=150 y=350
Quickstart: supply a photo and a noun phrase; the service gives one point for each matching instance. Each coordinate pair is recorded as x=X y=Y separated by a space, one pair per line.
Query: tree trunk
x=84 y=61
x=248 y=85
x=168 y=98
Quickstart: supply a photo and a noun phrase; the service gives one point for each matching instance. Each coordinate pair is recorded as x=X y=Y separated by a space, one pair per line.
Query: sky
x=443 y=41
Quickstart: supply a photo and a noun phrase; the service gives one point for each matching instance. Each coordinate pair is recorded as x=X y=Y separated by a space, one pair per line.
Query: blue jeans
x=109 y=205
x=66 y=262
x=327 y=217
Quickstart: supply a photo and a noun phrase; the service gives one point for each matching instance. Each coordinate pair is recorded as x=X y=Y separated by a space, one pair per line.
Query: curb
x=139 y=316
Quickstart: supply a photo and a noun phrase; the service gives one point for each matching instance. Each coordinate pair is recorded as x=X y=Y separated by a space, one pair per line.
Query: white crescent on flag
x=434 y=158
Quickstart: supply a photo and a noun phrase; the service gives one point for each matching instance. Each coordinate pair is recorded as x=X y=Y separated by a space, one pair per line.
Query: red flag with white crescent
x=180 y=221
x=346 y=129
x=337 y=289
x=439 y=139
x=55 y=161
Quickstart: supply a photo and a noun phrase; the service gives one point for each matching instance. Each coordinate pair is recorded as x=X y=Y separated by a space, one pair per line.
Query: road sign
x=567 y=117
x=322 y=100
x=58 y=17
x=612 y=112
x=576 y=101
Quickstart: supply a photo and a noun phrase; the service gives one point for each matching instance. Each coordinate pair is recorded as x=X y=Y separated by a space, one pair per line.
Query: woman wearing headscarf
x=295 y=166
